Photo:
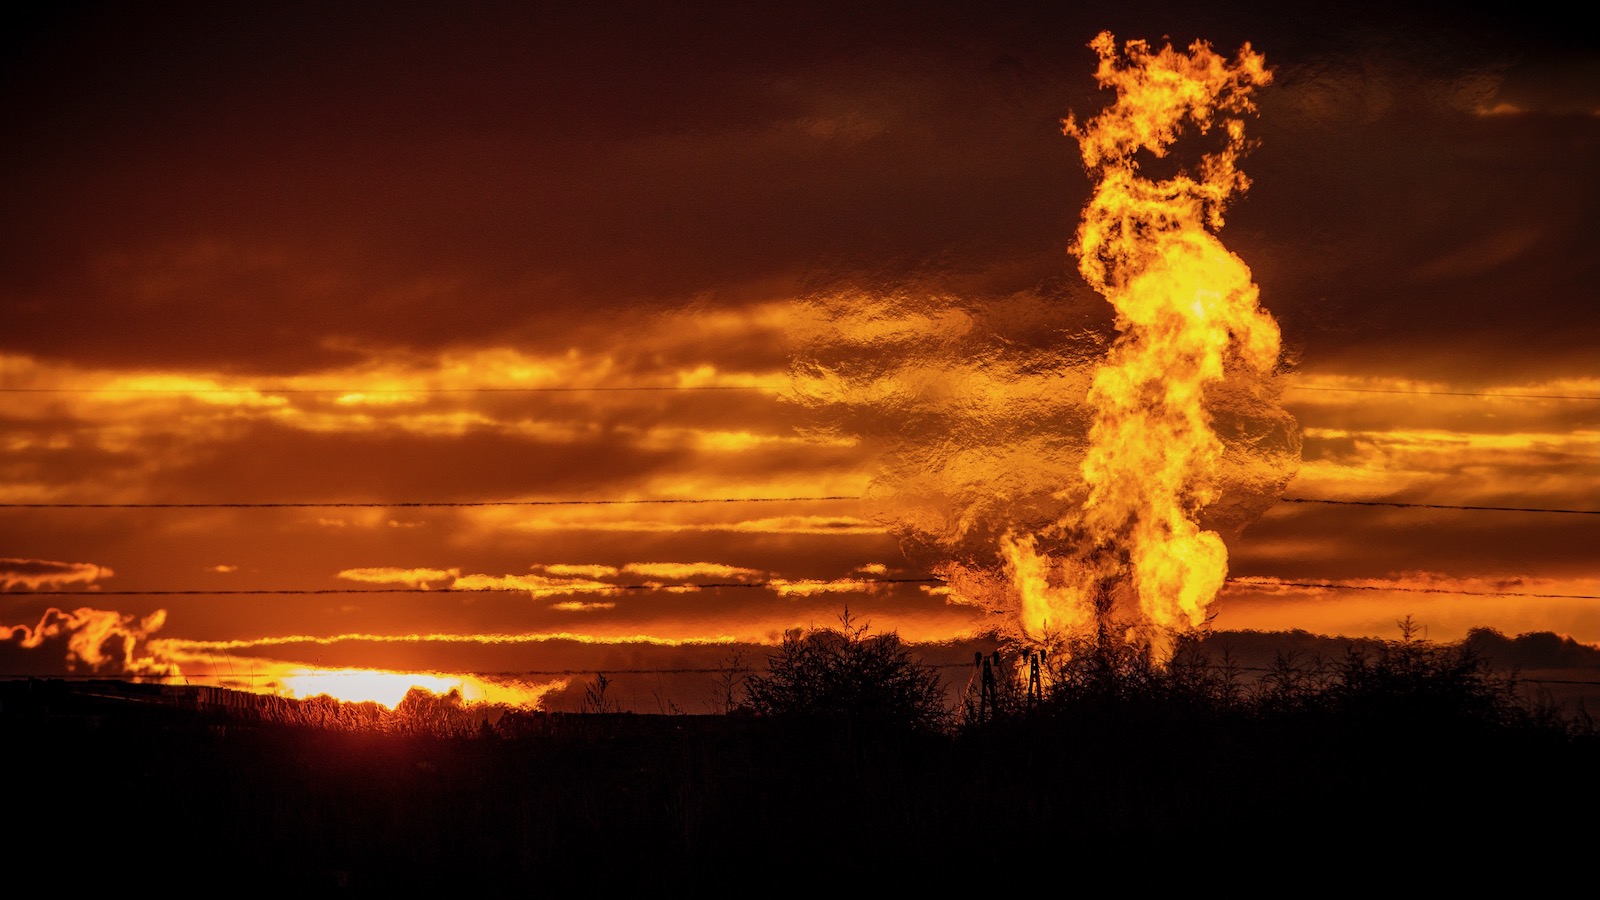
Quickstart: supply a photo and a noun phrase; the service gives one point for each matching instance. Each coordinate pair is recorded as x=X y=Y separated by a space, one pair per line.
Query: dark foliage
x=845 y=674
x=1328 y=767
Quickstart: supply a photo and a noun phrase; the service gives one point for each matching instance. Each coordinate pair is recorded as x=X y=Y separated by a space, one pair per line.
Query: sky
x=791 y=280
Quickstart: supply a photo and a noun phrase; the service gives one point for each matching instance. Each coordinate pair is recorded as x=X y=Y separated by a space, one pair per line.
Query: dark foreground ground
x=114 y=790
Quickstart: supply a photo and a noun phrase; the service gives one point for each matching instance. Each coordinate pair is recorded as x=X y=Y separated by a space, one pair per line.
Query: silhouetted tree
x=845 y=674
x=1413 y=683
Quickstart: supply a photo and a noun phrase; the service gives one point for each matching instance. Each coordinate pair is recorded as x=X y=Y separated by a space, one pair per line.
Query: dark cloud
x=1373 y=542
x=235 y=186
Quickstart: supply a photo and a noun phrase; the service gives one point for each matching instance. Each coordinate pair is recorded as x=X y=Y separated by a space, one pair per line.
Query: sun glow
x=388 y=688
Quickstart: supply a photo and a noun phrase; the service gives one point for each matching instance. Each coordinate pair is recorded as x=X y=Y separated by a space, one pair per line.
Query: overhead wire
x=549 y=389
x=585 y=588
x=445 y=504
x=1336 y=586
x=531 y=389
x=1496 y=394
x=596 y=587
x=339 y=504
x=1397 y=504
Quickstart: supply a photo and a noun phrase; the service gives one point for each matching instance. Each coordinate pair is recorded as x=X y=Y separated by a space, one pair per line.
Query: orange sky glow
x=338 y=359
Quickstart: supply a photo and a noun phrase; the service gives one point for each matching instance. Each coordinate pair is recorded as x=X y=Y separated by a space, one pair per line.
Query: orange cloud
x=763 y=525
x=99 y=639
x=581 y=606
x=809 y=588
x=681 y=571
x=562 y=570
x=426 y=579
x=42 y=574
x=535 y=585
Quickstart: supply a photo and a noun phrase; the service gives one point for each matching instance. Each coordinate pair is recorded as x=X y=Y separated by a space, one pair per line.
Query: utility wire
x=1522 y=509
x=644 y=388
x=422 y=504
x=1328 y=585
x=798 y=583
x=417 y=504
x=464 y=390
x=553 y=588
x=1508 y=396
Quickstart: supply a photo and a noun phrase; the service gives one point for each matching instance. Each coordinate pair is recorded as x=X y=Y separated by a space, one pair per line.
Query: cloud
x=682 y=571
x=762 y=525
x=582 y=606
x=41 y=574
x=103 y=641
x=452 y=579
x=535 y=585
x=561 y=579
x=1536 y=650
x=810 y=587
x=580 y=571
x=425 y=579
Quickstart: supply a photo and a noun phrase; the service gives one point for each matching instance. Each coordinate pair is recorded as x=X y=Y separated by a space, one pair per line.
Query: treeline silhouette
x=840 y=762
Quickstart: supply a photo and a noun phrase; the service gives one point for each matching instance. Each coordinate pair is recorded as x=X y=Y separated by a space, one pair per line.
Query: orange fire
x=1187 y=319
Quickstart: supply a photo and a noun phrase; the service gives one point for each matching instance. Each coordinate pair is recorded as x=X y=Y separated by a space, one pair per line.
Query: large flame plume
x=1079 y=488
x=1188 y=317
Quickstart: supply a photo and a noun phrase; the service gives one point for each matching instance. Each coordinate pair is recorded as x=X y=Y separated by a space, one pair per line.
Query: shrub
x=845 y=674
x=1413 y=683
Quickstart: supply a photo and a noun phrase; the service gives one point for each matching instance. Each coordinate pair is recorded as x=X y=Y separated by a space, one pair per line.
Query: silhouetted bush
x=845 y=674
x=1399 y=693
x=1412 y=684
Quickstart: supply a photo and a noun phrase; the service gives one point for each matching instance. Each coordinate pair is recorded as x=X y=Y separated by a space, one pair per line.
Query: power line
x=419 y=504
x=666 y=388
x=1509 y=396
x=444 y=504
x=391 y=391
x=595 y=588
x=1328 y=585
x=772 y=583
x=1521 y=509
